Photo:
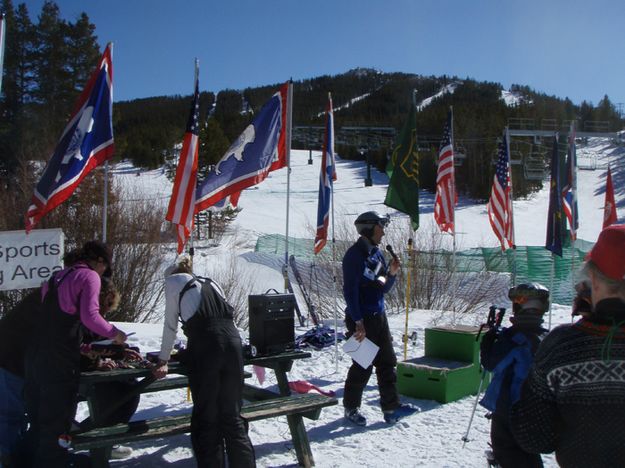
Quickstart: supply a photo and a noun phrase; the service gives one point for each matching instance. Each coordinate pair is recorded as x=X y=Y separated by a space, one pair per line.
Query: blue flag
x=569 y=191
x=87 y=142
x=555 y=217
x=326 y=177
x=260 y=149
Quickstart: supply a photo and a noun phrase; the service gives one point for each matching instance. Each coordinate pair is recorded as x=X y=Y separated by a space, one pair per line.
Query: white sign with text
x=26 y=260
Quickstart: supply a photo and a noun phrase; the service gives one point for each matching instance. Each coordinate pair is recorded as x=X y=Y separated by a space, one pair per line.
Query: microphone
x=390 y=250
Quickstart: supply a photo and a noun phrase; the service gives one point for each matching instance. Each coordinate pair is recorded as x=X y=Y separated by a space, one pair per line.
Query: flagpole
x=335 y=305
x=336 y=323
x=3 y=24
x=453 y=233
x=553 y=255
x=573 y=151
x=408 y=279
x=196 y=77
x=106 y=172
x=511 y=214
x=289 y=116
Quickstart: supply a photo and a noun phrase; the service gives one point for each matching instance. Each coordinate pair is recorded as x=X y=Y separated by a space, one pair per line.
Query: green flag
x=403 y=172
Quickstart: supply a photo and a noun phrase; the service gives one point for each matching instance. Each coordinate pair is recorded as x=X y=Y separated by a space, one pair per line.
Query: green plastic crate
x=453 y=343
x=437 y=379
x=449 y=370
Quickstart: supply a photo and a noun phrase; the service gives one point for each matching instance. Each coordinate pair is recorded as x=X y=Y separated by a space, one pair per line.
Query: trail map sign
x=28 y=260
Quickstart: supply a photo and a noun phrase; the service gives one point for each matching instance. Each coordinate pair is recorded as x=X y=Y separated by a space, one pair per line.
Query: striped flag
x=569 y=191
x=86 y=142
x=446 y=196
x=500 y=202
x=182 y=202
x=326 y=177
x=609 y=208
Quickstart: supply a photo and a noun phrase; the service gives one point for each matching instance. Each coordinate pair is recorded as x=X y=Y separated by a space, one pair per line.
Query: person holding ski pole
x=573 y=401
x=508 y=354
x=366 y=278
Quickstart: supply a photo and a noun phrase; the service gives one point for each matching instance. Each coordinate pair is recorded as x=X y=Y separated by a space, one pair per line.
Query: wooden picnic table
x=260 y=403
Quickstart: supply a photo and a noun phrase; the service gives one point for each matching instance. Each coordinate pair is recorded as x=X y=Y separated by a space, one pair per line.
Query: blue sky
x=568 y=48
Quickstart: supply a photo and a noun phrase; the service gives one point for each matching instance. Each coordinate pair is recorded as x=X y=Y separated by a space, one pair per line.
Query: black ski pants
x=505 y=448
x=376 y=327
x=215 y=362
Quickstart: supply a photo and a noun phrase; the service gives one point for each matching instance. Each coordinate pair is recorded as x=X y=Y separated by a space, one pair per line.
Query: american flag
x=569 y=191
x=86 y=142
x=500 y=203
x=609 y=207
x=326 y=177
x=446 y=196
x=182 y=202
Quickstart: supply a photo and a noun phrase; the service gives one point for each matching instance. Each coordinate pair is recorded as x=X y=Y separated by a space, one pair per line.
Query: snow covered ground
x=431 y=437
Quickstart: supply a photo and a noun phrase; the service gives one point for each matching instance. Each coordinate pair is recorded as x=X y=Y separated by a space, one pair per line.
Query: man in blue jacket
x=366 y=278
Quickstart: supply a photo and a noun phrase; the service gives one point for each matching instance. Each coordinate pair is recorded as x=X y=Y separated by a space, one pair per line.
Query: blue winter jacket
x=362 y=264
x=509 y=356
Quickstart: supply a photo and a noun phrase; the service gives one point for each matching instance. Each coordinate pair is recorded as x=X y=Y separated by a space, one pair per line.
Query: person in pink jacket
x=52 y=366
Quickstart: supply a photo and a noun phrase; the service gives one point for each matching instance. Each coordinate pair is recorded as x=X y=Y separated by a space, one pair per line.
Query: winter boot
x=354 y=416
x=490 y=459
x=392 y=416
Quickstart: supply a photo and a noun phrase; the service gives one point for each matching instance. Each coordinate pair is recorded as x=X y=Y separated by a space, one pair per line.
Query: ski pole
x=465 y=439
x=495 y=318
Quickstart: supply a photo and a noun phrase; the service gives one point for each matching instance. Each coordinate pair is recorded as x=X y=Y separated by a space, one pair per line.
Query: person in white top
x=214 y=362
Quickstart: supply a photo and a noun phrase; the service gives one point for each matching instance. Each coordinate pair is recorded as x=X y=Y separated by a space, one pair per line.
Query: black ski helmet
x=529 y=297
x=366 y=221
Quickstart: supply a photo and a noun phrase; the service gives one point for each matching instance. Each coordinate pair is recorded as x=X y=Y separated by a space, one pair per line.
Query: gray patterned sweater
x=573 y=401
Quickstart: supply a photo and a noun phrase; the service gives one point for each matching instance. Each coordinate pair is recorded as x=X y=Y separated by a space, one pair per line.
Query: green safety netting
x=532 y=263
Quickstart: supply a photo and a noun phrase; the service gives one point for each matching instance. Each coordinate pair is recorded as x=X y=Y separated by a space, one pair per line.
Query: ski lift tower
x=364 y=152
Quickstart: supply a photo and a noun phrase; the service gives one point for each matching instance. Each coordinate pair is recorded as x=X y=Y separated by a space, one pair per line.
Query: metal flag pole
x=289 y=116
x=3 y=24
x=453 y=211
x=573 y=156
x=336 y=322
x=334 y=281
x=408 y=280
x=191 y=237
x=106 y=170
x=511 y=214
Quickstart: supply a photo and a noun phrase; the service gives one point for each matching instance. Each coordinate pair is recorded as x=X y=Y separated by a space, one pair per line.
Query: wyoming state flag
x=86 y=142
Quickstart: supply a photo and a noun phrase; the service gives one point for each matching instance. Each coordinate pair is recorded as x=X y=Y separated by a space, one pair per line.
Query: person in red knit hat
x=573 y=401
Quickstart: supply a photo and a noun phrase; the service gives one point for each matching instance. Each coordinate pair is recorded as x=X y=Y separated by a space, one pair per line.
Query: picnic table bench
x=259 y=403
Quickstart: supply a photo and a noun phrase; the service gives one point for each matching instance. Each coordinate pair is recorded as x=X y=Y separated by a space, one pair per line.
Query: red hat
x=608 y=254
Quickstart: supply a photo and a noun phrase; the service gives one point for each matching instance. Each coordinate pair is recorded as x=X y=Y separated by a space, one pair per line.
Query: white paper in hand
x=363 y=352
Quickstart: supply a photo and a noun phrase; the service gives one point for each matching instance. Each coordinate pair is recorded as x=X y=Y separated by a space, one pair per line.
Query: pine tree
x=17 y=85
x=83 y=52
x=213 y=145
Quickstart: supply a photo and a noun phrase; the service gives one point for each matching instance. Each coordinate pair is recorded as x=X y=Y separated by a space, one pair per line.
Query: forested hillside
x=368 y=98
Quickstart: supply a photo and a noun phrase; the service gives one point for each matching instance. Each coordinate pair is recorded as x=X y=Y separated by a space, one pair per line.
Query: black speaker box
x=272 y=323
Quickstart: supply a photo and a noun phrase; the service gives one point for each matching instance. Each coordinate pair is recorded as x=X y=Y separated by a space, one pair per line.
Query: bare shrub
x=428 y=276
x=237 y=282
x=133 y=232
x=213 y=224
x=134 y=227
